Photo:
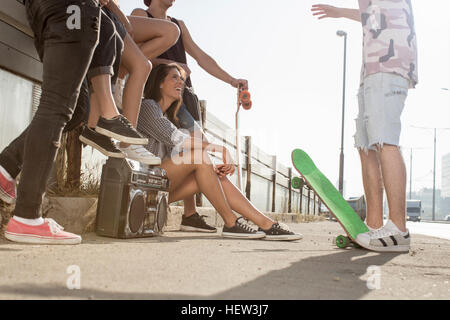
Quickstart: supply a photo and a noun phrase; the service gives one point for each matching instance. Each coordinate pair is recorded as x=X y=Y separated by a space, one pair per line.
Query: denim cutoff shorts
x=381 y=99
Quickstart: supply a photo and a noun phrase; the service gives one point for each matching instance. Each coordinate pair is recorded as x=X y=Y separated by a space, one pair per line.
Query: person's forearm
x=352 y=14
x=210 y=65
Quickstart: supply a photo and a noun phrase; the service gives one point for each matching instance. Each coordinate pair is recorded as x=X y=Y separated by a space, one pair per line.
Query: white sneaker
x=139 y=153
x=386 y=239
x=118 y=92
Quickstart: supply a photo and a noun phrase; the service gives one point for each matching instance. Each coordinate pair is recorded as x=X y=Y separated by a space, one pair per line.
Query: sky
x=294 y=65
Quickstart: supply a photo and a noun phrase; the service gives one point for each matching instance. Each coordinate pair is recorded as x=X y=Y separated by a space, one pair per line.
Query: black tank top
x=177 y=52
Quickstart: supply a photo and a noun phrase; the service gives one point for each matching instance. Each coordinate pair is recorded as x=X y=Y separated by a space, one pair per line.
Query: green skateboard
x=330 y=196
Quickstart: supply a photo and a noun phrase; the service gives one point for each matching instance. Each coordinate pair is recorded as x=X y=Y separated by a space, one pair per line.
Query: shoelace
x=54 y=226
x=380 y=233
x=125 y=122
x=244 y=226
x=282 y=226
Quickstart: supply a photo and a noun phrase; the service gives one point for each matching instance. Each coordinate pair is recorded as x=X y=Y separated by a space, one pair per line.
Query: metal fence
x=269 y=184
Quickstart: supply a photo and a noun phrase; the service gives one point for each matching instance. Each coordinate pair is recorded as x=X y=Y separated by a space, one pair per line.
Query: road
x=432 y=229
x=191 y=266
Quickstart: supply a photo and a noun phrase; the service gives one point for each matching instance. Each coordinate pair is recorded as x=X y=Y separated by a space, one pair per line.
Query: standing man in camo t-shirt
x=389 y=69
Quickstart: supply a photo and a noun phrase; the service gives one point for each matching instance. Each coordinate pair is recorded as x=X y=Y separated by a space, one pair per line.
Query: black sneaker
x=195 y=222
x=241 y=230
x=121 y=129
x=101 y=143
x=280 y=232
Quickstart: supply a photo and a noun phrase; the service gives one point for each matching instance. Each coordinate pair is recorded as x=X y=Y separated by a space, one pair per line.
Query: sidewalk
x=182 y=265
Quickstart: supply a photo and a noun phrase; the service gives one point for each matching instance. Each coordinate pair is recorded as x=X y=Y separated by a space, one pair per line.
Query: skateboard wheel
x=244 y=96
x=247 y=106
x=342 y=241
x=297 y=183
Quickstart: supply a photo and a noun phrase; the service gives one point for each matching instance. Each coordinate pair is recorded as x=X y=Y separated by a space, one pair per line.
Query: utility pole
x=433 y=213
x=410 y=175
x=341 y=33
x=434 y=178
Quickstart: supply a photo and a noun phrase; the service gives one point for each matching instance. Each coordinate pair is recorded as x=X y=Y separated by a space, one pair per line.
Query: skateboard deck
x=244 y=100
x=329 y=195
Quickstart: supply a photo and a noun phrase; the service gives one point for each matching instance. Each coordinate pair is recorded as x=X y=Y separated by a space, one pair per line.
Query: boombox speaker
x=133 y=200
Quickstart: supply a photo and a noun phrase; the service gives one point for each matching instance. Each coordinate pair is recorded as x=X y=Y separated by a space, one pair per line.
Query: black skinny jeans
x=66 y=55
x=106 y=54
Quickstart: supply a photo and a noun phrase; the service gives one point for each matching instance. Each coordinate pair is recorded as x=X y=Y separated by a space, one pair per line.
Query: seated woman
x=188 y=165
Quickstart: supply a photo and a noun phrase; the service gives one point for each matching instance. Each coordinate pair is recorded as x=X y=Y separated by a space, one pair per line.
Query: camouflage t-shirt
x=389 y=38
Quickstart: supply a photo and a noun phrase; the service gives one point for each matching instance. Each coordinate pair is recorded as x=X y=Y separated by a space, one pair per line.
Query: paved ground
x=440 y=230
x=201 y=266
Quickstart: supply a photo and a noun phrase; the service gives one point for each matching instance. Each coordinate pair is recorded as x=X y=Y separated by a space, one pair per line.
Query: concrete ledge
x=77 y=215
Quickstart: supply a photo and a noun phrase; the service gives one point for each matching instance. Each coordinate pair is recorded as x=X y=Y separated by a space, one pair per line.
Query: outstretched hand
x=325 y=11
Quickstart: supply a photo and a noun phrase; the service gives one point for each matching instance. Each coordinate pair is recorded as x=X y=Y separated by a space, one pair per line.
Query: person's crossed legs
x=187 y=178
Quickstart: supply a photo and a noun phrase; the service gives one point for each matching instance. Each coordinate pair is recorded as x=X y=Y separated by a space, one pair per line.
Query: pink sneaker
x=7 y=189
x=47 y=233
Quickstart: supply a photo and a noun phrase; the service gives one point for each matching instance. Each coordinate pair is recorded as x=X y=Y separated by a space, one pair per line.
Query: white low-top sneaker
x=139 y=153
x=386 y=239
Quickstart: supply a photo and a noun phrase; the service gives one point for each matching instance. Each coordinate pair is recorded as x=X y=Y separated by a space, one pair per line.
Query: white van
x=413 y=210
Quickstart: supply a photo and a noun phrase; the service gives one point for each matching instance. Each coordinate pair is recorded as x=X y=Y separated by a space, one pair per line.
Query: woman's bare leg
x=101 y=85
x=206 y=180
x=236 y=200
x=239 y=203
x=139 y=69
x=189 y=206
x=154 y=36
x=94 y=111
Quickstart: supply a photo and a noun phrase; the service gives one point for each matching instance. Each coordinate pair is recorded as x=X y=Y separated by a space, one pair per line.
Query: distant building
x=426 y=196
x=446 y=176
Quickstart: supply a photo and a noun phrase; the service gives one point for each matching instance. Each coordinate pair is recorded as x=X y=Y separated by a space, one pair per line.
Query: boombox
x=133 y=200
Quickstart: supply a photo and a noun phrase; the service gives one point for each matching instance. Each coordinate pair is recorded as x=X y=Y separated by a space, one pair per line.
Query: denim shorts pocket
x=395 y=99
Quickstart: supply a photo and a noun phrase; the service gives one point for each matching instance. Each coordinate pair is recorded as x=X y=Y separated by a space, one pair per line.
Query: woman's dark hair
x=153 y=88
x=147 y=2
